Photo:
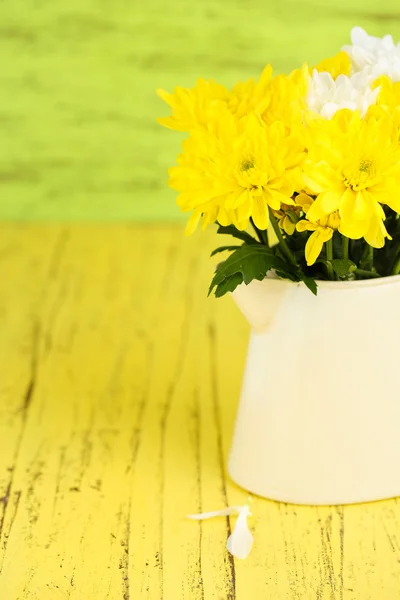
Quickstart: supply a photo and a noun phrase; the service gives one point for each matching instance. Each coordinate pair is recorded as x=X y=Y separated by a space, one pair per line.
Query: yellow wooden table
x=118 y=391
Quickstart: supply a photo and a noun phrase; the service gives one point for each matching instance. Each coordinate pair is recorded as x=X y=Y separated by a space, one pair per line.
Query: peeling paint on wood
x=119 y=383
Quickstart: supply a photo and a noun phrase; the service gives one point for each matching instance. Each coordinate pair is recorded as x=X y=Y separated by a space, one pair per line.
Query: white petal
x=326 y=96
x=224 y=512
x=240 y=542
x=376 y=56
x=358 y=36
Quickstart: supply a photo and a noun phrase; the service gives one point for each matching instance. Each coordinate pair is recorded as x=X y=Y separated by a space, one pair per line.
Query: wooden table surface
x=118 y=391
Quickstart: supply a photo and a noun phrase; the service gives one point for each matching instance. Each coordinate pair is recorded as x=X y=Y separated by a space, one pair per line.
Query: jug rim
x=388 y=280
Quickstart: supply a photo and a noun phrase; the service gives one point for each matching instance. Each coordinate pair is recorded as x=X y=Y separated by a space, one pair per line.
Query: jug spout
x=260 y=302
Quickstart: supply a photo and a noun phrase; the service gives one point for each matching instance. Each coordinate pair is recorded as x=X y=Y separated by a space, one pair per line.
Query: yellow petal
x=272 y=237
x=376 y=234
x=306 y=226
x=193 y=222
x=363 y=209
x=321 y=179
x=275 y=198
x=326 y=233
x=260 y=212
x=315 y=243
x=166 y=96
x=304 y=200
x=244 y=211
x=393 y=201
x=350 y=231
x=242 y=225
x=223 y=217
x=288 y=226
x=335 y=65
x=347 y=205
x=209 y=217
x=347 y=210
x=330 y=201
x=323 y=206
x=237 y=198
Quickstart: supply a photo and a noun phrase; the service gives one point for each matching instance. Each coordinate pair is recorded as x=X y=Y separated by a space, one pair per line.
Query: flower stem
x=259 y=233
x=370 y=262
x=329 y=259
x=396 y=268
x=284 y=247
x=345 y=247
x=366 y=274
x=329 y=250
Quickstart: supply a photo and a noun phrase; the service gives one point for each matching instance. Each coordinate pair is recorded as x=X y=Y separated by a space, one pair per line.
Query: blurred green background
x=78 y=80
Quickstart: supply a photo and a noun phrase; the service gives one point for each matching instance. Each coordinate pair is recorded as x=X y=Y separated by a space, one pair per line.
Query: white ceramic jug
x=319 y=414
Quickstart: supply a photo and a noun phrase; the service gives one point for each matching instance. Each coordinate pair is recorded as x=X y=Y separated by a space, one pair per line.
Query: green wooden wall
x=78 y=80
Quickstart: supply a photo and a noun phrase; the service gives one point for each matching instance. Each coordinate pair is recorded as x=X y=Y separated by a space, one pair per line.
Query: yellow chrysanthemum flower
x=389 y=94
x=353 y=165
x=287 y=212
x=323 y=231
x=193 y=108
x=388 y=100
x=237 y=171
x=198 y=107
x=284 y=218
x=340 y=64
x=287 y=98
x=251 y=96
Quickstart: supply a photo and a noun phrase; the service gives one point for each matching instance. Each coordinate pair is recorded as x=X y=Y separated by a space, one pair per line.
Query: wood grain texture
x=119 y=383
x=78 y=106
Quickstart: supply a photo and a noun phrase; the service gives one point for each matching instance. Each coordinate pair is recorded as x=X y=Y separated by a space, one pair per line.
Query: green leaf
x=251 y=262
x=365 y=259
x=293 y=217
x=298 y=275
x=343 y=266
x=310 y=283
x=240 y=235
x=287 y=275
x=228 y=285
x=223 y=249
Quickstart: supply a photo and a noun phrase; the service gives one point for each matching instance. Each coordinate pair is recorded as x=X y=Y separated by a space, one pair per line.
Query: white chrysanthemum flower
x=325 y=95
x=372 y=55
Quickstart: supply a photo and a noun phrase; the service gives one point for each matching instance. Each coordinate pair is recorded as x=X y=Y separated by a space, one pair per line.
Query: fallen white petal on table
x=240 y=542
x=224 y=512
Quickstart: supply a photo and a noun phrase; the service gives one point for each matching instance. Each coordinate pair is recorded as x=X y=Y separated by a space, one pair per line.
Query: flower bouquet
x=303 y=171
x=304 y=168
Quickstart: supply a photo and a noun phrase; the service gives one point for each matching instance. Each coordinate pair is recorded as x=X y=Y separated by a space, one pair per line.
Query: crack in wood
x=290 y=558
x=340 y=512
x=167 y=407
x=55 y=259
x=58 y=480
x=26 y=402
x=327 y=555
x=52 y=274
x=231 y=577
x=4 y=501
x=196 y=415
x=58 y=253
x=136 y=433
x=124 y=564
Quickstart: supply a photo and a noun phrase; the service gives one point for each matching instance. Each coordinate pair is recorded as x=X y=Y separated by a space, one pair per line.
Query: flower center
x=250 y=176
x=359 y=175
x=332 y=220
x=366 y=166
x=247 y=164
